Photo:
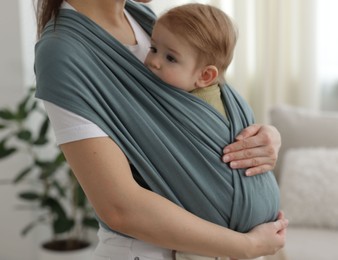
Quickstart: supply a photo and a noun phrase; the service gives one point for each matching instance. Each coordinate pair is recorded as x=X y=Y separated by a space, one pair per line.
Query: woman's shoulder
x=54 y=37
x=55 y=47
x=67 y=33
x=56 y=55
x=53 y=43
x=51 y=55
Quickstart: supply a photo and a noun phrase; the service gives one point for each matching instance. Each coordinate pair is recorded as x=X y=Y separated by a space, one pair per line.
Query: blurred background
x=286 y=54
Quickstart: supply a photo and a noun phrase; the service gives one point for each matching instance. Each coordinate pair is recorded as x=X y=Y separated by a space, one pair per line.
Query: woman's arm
x=256 y=148
x=104 y=173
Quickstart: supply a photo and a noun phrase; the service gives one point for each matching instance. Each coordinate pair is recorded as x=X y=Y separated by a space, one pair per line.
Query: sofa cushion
x=309 y=187
x=311 y=244
x=301 y=128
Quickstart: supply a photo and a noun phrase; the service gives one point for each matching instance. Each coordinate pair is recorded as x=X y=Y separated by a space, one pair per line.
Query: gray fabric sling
x=173 y=139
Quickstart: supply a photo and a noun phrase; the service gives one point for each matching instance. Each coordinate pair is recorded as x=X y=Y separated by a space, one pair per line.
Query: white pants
x=187 y=256
x=113 y=246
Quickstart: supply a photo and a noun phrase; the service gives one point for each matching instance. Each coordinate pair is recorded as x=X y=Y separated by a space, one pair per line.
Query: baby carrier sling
x=173 y=139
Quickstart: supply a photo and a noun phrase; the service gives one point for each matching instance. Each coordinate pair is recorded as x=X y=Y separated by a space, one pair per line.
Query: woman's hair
x=207 y=29
x=46 y=10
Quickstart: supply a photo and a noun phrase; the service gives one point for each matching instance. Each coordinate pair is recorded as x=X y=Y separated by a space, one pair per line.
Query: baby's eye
x=153 y=49
x=171 y=58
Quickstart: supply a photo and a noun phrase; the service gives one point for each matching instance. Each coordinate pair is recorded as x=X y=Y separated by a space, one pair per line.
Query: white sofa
x=307 y=172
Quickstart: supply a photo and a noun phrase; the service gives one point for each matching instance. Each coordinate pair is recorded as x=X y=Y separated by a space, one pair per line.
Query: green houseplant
x=54 y=191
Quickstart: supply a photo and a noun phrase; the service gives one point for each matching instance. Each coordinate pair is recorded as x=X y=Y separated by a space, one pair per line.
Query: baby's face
x=172 y=59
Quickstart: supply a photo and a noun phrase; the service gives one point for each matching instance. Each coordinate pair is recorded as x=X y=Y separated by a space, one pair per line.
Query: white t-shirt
x=70 y=127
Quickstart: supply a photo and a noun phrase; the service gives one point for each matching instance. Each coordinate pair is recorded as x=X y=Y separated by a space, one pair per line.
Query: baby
x=191 y=48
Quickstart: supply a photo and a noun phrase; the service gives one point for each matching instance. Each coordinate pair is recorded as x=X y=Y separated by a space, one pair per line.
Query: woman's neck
x=109 y=14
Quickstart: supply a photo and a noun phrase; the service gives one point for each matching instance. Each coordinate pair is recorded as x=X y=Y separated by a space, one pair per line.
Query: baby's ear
x=208 y=76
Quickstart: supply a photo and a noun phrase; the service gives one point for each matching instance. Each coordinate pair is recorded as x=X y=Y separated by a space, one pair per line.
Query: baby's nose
x=155 y=63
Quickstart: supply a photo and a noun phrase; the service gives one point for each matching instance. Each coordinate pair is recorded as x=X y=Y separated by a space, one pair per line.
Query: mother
x=150 y=223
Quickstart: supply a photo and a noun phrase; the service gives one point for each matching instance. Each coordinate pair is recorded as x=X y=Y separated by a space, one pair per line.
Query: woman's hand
x=268 y=238
x=256 y=148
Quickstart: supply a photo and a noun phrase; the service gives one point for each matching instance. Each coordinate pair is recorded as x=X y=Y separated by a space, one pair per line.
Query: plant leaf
x=44 y=128
x=31 y=225
x=29 y=195
x=90 y=222
x=48 y=168
x=6 y=114
x=80 y=196
x=40 y=141
x=59 y=188
x=5 y=151
x=54 y=206
x=61 y=225
x=22 y=174
x=42 y=138
x=28 y=228
x=24 y=135
x=59 y=159
x=43 y=164
x=26 y=106
x=23 y=112
x=47 y=173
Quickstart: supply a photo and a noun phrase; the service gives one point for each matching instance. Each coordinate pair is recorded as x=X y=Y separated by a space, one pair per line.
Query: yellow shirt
x=212 y=96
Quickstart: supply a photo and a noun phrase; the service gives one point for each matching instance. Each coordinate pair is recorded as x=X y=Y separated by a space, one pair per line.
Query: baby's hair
x=207 y=29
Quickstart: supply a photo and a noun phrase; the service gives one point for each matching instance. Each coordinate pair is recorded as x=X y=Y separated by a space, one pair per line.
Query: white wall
x=18 y=37
x=10 y=53
x=16 y=72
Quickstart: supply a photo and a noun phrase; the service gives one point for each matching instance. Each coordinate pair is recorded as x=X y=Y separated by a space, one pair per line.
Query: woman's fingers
x=252 y=130
x=281 y=223
x=258 y=155
x=256 y=160
x=270 y=237
x=256 y=149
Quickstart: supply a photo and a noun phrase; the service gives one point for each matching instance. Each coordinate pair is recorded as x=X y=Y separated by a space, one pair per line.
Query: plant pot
x=55 y=250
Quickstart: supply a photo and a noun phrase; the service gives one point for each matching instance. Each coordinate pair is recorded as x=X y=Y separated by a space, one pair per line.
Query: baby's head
x=193 y=39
